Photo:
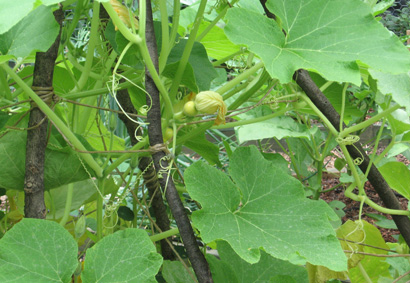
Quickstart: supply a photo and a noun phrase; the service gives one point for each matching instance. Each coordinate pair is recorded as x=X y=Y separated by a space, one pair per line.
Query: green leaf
x=327 y=37
x=374 y=266
x=208 y=150
x=391 y=171
x=188 y=78
x=267 y=267
x=262 y=208
x=37 y=31
x=203 y=70
x=221 y=271
x=216 y=43
x=62 y=81
x=125 y=213
x=125 y=256
x=396 y=85
x=82 y=191
x=175 y=272
x=382 y=221
x=11 y=12
x=279 y=127
x=62 y=164
x=278 y=160
x=37 y=250
x=399 y=121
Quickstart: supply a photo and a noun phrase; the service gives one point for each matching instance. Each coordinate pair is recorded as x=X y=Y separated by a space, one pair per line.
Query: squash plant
x=99 y=98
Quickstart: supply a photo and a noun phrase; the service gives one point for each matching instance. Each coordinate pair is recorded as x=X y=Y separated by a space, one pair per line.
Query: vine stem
x=246 y=74
x=91 y=46
x=164 y=235
x=56 y=121
x=368 y=122
x=187 y=50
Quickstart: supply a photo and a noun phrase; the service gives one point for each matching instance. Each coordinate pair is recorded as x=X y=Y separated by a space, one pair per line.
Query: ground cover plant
x=107 y=171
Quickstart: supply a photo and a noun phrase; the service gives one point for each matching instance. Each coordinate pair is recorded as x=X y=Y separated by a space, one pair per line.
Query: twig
x=400 y=277
x=377 y=255
x=362 y=244
x=102 y=108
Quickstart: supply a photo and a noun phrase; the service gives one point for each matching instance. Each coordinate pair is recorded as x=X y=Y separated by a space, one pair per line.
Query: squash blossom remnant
x=210 y=102
x=123 y=13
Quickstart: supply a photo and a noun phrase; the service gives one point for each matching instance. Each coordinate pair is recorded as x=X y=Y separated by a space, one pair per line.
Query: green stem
x=251 y=91
x=100 y=208
x=246 y=74
x=81 y=68
x=67 y=209
x=320 y=114
x=292 y=158
x=342 y=112
x=164 y=235
x=215 y=21
x=93 y=92
x=364 y=273
x=235 y=90
x=174 y=32
x=325 y=86
x=134 y=38
x=187 y=50
x=95 y=23
x=4 y=90
x=124 y=157
x=56 y=121
x=165 y=36
x=223 y=60
x=251 y=121
x=369 y=122
x=376 y=145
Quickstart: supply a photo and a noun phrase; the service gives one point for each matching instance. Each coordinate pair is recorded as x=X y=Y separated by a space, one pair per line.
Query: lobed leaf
x=262 y=207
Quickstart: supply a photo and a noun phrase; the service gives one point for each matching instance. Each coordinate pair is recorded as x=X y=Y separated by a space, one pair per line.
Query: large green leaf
x=37 y=31
x=279 y=127
x=62 y=164
x=216 y=43
x=374 y=266
x=396 y=85
x=175 y=272
x=125 y=256
x=397 y=175
x=267 y=268
x=327 y=37
x=11 y=12
x=203 y=69
x=208 y=150
x=265 y=208
x=187 y=80
x=37 y=250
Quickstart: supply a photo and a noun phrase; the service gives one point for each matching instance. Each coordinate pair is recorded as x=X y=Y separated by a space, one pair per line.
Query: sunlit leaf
x=327 y=37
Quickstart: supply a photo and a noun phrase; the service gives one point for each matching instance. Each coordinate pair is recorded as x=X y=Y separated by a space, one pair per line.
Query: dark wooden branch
x=195 y=256
x=34 y=206
x=304 y=80
x=150 y=176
